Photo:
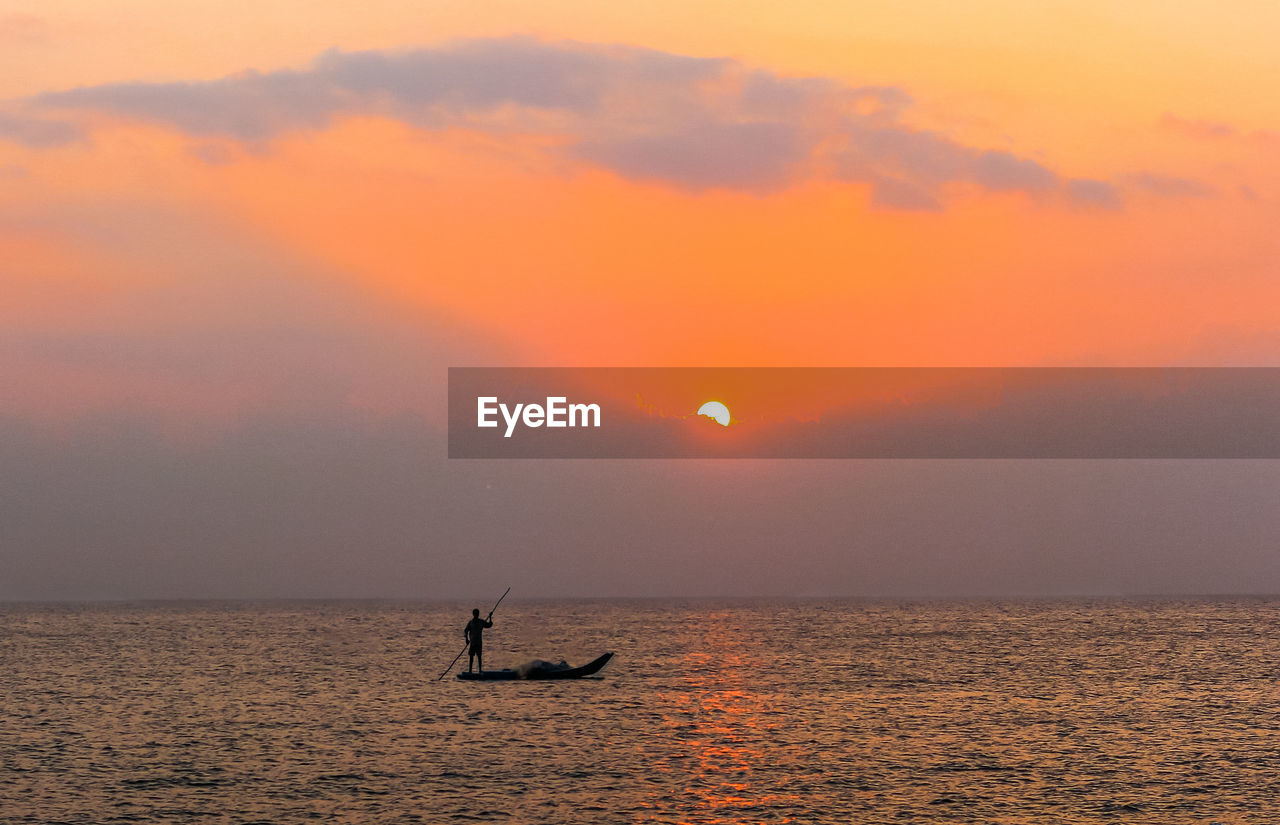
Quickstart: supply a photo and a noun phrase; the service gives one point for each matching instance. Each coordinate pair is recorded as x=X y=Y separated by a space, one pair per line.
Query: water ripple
x=1010 y=713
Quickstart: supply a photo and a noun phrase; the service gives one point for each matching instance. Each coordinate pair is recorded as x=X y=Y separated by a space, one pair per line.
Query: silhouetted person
x=474 y=636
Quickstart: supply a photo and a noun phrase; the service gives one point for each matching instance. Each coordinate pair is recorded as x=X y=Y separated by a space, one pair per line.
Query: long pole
x=466 y=645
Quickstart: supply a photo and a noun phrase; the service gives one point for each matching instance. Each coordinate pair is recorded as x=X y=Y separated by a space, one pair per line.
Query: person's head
x=475 y=612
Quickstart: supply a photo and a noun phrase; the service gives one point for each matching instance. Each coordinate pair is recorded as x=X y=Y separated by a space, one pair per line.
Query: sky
x=241 y=243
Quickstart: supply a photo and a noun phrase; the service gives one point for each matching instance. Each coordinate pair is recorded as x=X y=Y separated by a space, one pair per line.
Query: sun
x=716 y=410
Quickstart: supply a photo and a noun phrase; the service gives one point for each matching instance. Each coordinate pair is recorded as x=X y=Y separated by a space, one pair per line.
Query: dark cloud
x=37 y=133
x=1002 y=171
x=768 y=95
x=485 y=74
x=695 y=123
x=907 y=168
x=1097 y=193
x=927 y=159
x=705 y=155
x=248 y=106
x=425 y=86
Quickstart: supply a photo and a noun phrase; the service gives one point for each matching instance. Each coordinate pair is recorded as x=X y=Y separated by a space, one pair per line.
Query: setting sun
x=717 y=411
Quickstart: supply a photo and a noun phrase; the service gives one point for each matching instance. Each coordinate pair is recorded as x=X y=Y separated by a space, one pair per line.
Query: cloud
x=690 y=122
x=37 y=133
x=705 y=155
x=1215 y=130
x=898 y=194
x=1203 y=129
x=1168 y=186
x=908 y=168
x=1003 y=171
x=429 y=87
x=1087 y=192
x=926 y=159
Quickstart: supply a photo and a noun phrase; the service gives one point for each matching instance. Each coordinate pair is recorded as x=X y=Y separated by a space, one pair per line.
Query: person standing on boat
x=474 y=636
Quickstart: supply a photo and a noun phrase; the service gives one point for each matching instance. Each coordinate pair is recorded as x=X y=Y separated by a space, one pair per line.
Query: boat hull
x=508 y=675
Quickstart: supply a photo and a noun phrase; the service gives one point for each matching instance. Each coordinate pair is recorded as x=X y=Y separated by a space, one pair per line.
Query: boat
x=540 y=670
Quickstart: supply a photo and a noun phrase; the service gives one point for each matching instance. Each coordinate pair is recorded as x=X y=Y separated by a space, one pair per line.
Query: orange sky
x=493 y=223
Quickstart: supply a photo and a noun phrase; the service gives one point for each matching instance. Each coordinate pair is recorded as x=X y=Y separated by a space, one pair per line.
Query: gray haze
x=350 y=509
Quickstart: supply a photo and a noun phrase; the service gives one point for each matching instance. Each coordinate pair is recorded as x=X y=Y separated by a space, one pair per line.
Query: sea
x=1073 y=711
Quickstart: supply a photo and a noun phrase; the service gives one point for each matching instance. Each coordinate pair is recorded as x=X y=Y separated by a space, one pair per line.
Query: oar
x=468 y=644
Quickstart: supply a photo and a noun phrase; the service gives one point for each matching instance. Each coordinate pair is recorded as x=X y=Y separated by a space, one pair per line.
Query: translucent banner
x=607 y=412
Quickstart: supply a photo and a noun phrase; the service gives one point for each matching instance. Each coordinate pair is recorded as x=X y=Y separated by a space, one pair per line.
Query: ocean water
x=713 y=712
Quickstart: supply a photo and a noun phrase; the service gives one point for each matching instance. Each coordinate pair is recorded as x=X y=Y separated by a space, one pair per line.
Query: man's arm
x=488 y=623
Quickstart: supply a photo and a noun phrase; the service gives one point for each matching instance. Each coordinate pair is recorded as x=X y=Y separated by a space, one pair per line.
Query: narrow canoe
x=588 y=669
